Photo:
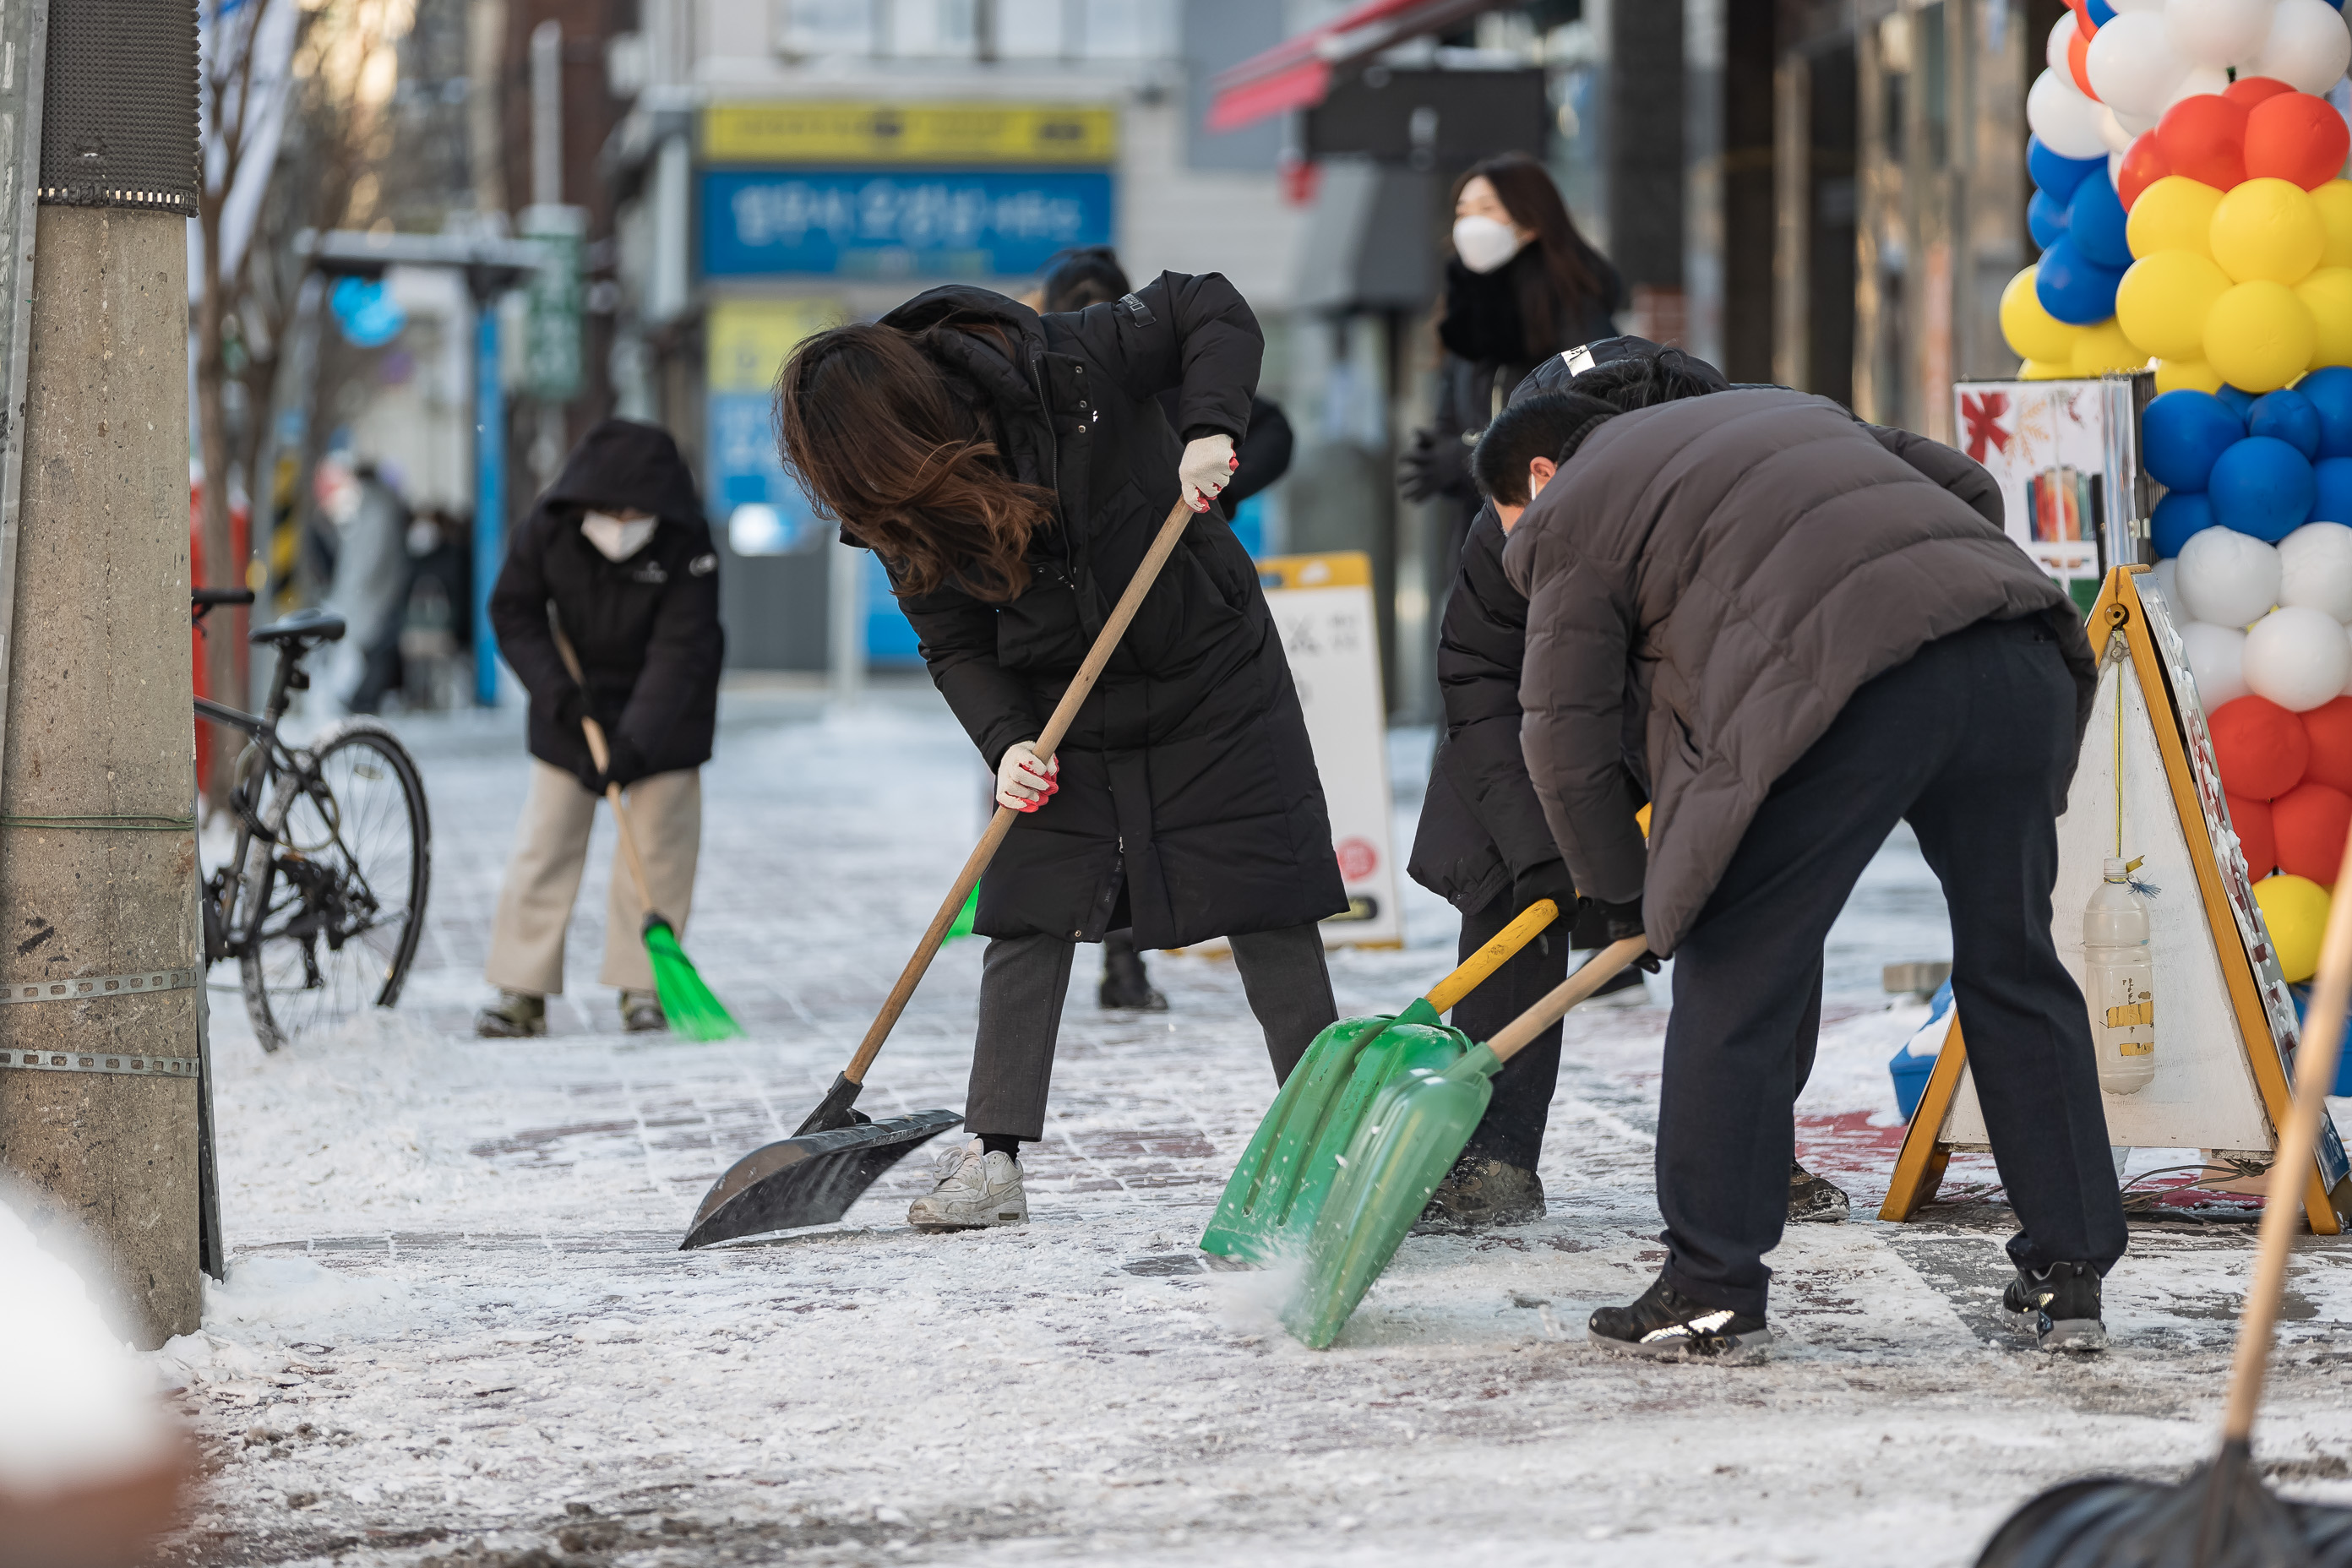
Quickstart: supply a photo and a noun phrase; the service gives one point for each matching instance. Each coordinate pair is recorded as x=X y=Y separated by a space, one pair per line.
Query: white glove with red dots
x=1206 y=468
x=1023 y=781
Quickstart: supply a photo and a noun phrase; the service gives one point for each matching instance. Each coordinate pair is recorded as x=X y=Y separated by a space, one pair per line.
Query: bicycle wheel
x=335 y=896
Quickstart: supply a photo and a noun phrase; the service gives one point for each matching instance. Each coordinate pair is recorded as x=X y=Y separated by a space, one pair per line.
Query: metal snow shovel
x=2221 y=1516
x=1402 y=1148
x=1278 y=1188
x=812 y=1177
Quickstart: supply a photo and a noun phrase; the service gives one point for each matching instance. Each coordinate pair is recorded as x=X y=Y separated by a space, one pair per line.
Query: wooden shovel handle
x=1479 y=965
x=1598 y=970
x=2315 y=1075
x=1048 y=740
x=602 y=755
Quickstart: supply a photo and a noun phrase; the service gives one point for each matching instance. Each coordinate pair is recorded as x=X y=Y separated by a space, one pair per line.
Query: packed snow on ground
x=456 y=1327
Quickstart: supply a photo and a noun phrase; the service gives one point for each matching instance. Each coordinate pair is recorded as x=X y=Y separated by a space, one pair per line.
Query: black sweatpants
x=1971 y=741
x=1024 y=980
x=1512 y=1130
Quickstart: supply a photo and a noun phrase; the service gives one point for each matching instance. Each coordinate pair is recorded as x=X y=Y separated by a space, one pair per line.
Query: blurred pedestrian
x=370 y=589
x=1010 y=471
x=1091 y=275
x=618 y=553
x=1521 y=286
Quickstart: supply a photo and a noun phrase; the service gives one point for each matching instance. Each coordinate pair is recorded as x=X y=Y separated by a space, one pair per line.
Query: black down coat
x=647 y=629
x=1190 y=806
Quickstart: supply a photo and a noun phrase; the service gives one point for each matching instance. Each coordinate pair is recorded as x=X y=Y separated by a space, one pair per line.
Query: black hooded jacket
x=647 y=629
x=1190 y=806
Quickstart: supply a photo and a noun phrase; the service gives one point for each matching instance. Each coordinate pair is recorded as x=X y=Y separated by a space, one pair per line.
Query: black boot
x=1126 y=985
x=2064 y=1299
x=1812 y=1200
x=1670 y=1326
x=1480 y=1192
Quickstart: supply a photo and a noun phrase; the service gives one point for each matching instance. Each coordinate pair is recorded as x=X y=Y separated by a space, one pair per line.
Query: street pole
x=490 y=489
x=99 y=1045
x=845 y=624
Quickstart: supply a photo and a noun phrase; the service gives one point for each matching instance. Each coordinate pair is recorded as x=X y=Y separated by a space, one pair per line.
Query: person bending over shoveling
x=1791 y=630
x=1011 y=470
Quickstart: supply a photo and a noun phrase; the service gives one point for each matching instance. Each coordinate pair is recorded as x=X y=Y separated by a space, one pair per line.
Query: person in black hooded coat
x=618 y=552
x=1184 y=802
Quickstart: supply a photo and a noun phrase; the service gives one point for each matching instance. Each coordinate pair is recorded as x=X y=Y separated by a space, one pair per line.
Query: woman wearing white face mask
x=1522 y=285
x=616 y=552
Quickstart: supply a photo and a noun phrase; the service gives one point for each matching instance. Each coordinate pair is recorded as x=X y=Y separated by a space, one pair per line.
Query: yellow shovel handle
x=1493 y=955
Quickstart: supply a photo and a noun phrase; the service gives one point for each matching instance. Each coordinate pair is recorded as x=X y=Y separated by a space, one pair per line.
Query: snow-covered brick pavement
x=457 y=1329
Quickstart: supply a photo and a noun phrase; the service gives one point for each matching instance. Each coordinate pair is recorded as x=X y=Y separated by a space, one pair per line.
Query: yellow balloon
x=2266 y=230
x=2334 y=201
x=2103 y=347
x=2172 y=374
x=2296 y=909
x=2162 y=303
x=2174 y=214
x=2033 y=331
x=2045 y=370
x=2327 y=295
x=2260 y=336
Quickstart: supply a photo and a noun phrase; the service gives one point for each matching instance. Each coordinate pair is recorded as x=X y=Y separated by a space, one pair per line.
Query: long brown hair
x=876 y=440
x=1553 y=299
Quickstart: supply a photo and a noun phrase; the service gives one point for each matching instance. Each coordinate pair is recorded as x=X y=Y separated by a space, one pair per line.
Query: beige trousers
x=543 y=879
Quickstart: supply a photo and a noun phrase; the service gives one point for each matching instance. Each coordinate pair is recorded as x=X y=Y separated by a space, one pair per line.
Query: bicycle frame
x=263 y=760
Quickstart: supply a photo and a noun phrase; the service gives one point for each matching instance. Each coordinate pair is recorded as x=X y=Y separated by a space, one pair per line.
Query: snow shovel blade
x=2220 y=1516
x=1414 y=1131
x=1275 y=1192
x=808 y=1180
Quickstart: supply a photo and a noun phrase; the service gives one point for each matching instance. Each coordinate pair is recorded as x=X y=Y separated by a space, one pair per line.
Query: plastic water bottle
x=2119 y=981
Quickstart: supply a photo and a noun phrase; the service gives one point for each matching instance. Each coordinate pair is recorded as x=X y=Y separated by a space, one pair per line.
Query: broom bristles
x=689 y=1004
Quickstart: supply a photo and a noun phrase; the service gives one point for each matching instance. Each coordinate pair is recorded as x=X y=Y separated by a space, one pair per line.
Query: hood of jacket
x=623 y=466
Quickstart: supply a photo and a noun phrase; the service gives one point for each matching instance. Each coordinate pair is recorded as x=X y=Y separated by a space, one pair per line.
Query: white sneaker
x=976 y=1190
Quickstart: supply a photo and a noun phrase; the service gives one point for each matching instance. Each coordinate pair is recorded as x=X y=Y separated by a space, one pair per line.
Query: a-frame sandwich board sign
x=2225 y=1026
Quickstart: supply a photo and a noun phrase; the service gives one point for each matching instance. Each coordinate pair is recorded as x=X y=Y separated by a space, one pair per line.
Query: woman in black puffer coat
x=1012 y=469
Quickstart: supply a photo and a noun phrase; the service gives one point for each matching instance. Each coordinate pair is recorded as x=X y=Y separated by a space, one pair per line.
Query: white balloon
x=2067 y=122
x=2316 y=568
x=2120 y=6
x=2308 y=48
x=2199 y=80
x=2137 y=124
x=2115 y=169
x=2167 y=573
x=2216 y=661
x=2061 y=37
x=2347 y=642
x=2227 y=577
x=2297 y=658
x=2111 y=132
x=2132 y=63
x=2216 y=32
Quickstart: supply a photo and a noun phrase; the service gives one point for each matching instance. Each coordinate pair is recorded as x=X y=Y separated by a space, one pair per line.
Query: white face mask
x=1483 y=244
x=615 y=540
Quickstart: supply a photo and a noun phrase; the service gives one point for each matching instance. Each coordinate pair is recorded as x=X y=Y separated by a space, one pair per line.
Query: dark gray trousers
x=1971 y=741
x=1022 y=981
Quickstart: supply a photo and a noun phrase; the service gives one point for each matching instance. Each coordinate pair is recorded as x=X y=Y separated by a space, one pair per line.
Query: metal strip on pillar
x=24 y=46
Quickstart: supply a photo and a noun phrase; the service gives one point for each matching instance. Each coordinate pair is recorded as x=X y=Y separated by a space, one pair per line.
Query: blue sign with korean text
x=890 y=224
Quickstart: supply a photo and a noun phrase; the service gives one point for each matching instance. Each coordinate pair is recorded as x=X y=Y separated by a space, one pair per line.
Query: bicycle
x=324 y=919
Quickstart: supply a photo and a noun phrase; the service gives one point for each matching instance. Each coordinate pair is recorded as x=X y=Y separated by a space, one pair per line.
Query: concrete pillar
x=102 y=749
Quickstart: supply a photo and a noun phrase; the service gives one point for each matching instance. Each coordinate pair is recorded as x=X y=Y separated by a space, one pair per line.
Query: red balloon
x=2297 y=137
x=2204 y=137
x=2252 y=820
x=2329 y=725
x=2078 y=62
x=2309 y=822
x=2250 y=90
x=2143 y=166
x=2263 y=748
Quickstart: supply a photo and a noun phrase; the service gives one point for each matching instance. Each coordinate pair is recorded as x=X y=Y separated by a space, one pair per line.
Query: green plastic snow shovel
x=1274 y=1193
x=1401 y=1149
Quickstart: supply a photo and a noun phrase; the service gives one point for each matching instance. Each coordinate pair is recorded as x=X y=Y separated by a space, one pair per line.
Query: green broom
x=689 y=1006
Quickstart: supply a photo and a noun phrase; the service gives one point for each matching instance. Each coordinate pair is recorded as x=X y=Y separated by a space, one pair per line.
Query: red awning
x=1297 y=72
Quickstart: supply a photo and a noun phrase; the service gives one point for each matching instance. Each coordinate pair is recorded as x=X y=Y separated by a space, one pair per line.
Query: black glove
x=1549 y=880
x=1620 y=921
x=1433 y=466
x=624 y=763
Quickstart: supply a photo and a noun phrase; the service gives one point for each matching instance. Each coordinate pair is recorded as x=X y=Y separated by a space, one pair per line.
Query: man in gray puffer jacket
x=1787 y=630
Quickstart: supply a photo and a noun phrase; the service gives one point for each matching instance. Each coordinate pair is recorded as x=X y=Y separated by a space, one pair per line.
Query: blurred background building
x=1829 y=194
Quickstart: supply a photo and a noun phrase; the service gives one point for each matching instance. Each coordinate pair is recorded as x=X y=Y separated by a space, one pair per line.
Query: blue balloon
x=2056 y=177
x=2101 y=12
x=2179 y=515
x=2288 y=416
x=2183 y=433
x=2094 y=221
x=2334 y=476
x=2074 y=288
x=2263 y=487
x=2242 y=402
x=2045 y=219
x=2330 y=393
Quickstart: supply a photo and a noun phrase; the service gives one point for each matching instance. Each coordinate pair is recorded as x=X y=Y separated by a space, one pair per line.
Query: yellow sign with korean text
x=944 y=134
x=747 y=340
